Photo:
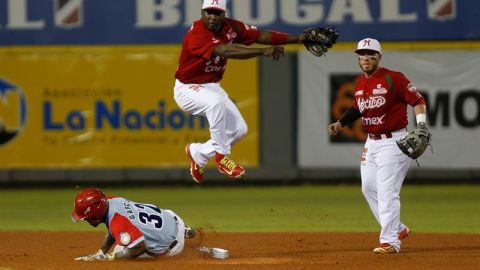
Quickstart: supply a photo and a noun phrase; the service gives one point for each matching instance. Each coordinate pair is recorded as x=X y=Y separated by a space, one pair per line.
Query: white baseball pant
x=178 y=248
x=227 y=125
x=383 y=169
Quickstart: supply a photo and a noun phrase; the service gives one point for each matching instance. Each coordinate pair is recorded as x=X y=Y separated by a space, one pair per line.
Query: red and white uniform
x=382 y=100
x=196 y=64
x=197 y=89
x=131 y=222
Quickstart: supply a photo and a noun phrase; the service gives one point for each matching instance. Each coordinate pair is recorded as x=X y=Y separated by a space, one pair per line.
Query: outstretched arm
x=278 y=38
x=241 y=52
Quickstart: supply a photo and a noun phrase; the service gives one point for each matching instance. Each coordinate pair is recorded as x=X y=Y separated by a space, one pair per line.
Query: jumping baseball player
x=380 y=99
x=208 y=44
x=136 y=229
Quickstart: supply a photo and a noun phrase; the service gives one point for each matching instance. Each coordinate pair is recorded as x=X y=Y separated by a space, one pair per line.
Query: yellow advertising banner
x=107 y=107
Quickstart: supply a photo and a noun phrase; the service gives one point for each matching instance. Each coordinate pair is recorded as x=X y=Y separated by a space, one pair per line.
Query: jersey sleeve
x=247 y=34
x=408 y=92
x=124 y=232
x=201 y=43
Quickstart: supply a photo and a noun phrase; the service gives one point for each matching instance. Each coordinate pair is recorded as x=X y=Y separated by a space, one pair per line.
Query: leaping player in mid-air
x=205 y=50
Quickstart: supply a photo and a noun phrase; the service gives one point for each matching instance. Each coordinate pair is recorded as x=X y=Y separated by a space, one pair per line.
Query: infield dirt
x=56 y=250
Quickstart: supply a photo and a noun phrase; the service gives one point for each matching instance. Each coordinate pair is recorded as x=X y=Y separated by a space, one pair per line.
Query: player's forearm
x=237 y=52
x=107 y=243
x=131 y=253
x=420 y=111
x=350 y=116
x=278 y=38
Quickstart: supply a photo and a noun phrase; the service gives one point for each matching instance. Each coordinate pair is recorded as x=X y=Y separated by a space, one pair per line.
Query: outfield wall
x=449 y=82
x=287 y=117
x=447 y=78
x=86 y=88
x=106 y=107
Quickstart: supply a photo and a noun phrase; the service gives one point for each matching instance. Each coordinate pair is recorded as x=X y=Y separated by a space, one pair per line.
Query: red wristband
x=279 y=38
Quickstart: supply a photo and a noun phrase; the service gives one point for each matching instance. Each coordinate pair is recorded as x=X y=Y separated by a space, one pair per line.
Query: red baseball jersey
x=197 y=64
x=382 y=100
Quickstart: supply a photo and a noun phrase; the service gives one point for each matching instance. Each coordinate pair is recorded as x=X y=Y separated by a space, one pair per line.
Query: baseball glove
x=318 y=40
x=416 y=142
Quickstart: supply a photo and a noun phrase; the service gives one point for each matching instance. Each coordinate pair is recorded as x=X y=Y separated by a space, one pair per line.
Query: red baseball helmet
x=91 y=205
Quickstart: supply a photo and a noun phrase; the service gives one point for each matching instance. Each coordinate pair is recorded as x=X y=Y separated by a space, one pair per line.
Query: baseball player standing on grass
x=381 y=98
x=136 y=229
x=208 y=44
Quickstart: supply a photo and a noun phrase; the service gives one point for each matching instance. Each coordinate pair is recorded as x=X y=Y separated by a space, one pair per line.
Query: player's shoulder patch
x=411 y=87
x=125 y=238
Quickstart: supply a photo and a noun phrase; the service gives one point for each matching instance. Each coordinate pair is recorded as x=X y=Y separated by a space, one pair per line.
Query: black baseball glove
x=416 y=142
x=319 y=39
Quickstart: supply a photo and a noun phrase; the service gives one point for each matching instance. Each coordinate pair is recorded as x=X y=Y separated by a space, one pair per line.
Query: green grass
x=248 y=209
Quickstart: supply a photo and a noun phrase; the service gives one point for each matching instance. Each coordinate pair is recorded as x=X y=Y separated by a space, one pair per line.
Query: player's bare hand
x=334 y=128
x=99 y=256
x=274 y=51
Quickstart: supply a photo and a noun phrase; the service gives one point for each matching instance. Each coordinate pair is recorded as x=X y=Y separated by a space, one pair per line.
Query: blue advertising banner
x=51 y=22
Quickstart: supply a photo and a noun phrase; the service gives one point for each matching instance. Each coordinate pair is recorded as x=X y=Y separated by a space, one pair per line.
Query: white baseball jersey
x=131 y=222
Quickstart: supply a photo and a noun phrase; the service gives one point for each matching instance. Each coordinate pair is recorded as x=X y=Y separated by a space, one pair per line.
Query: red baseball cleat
x=404 y=234
x=195 y=170
x=227 y=166
x=384 y=248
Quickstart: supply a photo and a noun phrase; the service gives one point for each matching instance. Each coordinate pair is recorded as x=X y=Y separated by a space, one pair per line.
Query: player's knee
x=242 y=130
x=239 y=133
x=218 y=108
